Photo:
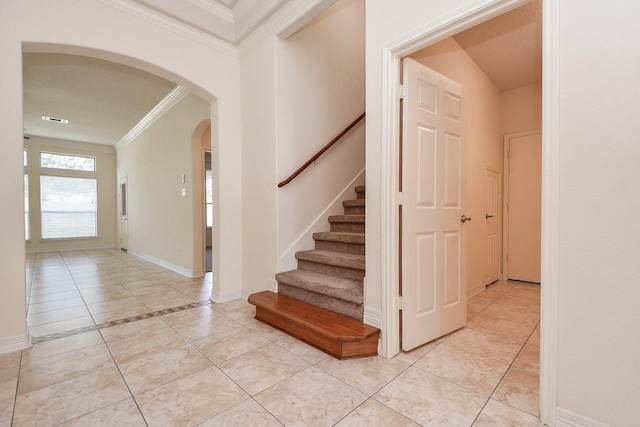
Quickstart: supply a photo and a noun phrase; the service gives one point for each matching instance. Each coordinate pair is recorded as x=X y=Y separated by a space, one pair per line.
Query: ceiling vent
x=55 y=119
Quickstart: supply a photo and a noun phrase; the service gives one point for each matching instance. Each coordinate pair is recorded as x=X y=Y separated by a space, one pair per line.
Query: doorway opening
x=391 y=116
x=208 y=201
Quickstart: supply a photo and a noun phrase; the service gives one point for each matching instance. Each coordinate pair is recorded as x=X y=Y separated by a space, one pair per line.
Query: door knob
x=487 y=216
x=464 y=218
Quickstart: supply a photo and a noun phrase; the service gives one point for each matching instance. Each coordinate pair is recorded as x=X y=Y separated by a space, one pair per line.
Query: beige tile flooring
x=215 y=365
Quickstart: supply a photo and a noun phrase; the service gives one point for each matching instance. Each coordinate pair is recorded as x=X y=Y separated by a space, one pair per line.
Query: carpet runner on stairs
x=329 y=279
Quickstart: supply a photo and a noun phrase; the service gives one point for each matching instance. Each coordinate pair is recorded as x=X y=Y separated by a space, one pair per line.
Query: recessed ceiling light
x=54 y=119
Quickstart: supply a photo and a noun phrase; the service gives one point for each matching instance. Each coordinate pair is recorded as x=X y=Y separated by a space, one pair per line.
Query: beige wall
x=599 y=153
x=297 y=94
x=521 y=109
x=205 y=66
x=163 y=225
x=484 y=142
x=320 y=90
x=105 y=175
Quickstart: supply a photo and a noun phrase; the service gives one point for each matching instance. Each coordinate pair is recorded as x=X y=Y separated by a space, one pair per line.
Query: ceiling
x=508 y=48
x=229 y=20
x=104 y=101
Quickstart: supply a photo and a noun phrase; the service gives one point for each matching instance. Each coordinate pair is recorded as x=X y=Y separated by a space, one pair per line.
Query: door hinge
x=402 y=303
x=402 y=198
x=403 y=91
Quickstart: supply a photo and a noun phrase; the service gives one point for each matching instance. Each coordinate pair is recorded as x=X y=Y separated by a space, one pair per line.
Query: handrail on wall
x=319 y=153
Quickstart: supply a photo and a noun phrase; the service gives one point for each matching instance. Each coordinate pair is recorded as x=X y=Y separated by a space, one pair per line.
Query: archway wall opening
x=109 y=31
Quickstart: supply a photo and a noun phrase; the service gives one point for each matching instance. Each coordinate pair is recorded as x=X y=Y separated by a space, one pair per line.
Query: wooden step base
x=340 y=336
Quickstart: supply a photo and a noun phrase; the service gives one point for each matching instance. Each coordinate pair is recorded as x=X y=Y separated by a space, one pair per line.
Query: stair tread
x=347 y=218
x=348 y=290
x=319 y=320
x=338 y=259
x=354 y=202
x=340 y=236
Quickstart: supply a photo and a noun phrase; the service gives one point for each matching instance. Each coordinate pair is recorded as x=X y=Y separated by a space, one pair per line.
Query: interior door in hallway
x=524 y=182
x=492 y=227
x=433 y=179
x=123 y=217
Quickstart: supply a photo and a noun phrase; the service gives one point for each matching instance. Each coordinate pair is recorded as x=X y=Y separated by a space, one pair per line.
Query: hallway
x=121 y=341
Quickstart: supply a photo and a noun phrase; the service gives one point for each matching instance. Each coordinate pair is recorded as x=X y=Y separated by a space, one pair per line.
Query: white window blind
x=68 y=207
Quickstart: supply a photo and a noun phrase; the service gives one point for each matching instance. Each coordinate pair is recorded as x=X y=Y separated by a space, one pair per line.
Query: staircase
x=321 y=302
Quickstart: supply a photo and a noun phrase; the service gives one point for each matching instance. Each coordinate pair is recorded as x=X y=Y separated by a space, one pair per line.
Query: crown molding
x=216 y=9
x=291 y=17
x=158 y=111
x=173 y=25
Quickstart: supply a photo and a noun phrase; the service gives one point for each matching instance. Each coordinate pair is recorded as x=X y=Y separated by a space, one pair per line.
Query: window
x=209 y=198
x=65 y=161
x=68 y=207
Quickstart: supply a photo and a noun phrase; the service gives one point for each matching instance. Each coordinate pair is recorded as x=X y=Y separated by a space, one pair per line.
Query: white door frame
x=505 y=197
x=500 y=220
x=392 y=54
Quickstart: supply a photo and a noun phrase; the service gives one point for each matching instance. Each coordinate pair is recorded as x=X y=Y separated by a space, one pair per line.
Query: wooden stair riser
x=332 y=270
x=347 y=248
x=338 y=335
x=346 y=308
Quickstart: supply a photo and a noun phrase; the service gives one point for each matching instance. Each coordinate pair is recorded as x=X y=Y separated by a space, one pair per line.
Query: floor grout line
x=112 y=323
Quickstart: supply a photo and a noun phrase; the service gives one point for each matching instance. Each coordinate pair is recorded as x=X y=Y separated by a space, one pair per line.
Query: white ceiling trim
x=158 y=111
x=216 y=8
x=173 y=25
x=290 y=18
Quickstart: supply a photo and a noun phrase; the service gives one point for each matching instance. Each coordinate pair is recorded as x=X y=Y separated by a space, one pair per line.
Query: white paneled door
x=492 y=227
x=524 y=185
x=433 y=216
x=124 y=216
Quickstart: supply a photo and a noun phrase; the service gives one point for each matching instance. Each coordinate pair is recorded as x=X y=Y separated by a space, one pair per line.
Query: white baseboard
x=218 y=297
x=173 y=267
x=475 y=290
x=566 y=418
x=19 y=342
x=372 y=317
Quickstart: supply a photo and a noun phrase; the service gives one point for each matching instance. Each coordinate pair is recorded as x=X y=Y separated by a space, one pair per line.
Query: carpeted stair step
x=337 y=305
x=335 y=287
x=337 y=264
x=354 y=207
x=333 y=333
x=347 y=223
x=352 y=243
x=360 y=193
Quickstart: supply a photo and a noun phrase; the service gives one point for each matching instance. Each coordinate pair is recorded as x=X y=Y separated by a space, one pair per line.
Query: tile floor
x=213 y=364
